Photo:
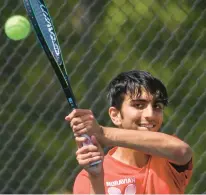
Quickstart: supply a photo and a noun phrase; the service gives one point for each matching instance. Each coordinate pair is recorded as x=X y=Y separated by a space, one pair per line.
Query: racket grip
x=89 y=142
x=71 y=100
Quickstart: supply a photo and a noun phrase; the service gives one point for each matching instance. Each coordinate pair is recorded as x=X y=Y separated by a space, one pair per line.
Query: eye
x=159 y=106
x=139 y=105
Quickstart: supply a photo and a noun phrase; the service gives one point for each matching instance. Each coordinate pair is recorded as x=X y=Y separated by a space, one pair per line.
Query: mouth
x=147 y=126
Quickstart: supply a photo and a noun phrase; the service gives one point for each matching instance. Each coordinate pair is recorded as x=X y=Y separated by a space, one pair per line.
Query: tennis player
x=142 y=160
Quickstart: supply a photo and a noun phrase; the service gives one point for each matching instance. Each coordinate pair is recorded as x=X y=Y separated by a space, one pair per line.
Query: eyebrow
x=139 y=100
x=144 y=100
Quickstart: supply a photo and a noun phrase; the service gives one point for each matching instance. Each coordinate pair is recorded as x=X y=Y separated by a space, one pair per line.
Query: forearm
x=97 y=184
x=153 y=143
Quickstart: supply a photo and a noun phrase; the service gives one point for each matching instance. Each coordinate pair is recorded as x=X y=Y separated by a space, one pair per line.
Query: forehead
x=143 y=95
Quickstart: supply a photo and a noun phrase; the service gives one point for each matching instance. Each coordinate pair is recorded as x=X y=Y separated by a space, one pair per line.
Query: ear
x=115 y=116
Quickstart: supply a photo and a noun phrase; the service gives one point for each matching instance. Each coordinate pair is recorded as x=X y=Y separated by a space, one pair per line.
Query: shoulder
x=82 y=175
x=81 y=178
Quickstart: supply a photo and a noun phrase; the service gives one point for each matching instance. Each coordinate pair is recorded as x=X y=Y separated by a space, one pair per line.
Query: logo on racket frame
x=51 y=31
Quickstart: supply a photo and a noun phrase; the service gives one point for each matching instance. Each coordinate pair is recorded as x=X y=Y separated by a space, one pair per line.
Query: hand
x=88 y=154
x=82 y=122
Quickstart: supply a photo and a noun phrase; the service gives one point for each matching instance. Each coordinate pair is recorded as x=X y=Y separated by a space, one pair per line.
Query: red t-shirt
x=157 y=177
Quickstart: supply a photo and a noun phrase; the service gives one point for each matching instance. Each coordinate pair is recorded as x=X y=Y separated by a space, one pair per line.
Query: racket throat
x=70 y=97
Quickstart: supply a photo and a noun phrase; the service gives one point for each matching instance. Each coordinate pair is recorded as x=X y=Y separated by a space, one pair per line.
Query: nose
x=149 y=112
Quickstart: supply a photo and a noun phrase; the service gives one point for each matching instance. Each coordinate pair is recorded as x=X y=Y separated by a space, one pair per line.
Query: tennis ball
x=17 y=27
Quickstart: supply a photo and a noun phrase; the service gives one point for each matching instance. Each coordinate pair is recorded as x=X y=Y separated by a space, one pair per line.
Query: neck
x=131 y=157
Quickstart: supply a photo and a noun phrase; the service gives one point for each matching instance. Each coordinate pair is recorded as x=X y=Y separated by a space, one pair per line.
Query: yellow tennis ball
x=17 y=27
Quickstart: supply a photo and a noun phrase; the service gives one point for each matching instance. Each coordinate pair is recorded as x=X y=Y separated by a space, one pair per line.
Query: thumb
x=96 y=143
x=94 y=140
x=80 y=141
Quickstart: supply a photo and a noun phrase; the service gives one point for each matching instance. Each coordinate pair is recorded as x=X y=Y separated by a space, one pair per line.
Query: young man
x=144 y=161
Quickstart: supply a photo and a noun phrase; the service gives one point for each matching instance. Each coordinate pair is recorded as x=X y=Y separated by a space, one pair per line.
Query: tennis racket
x=44 y=28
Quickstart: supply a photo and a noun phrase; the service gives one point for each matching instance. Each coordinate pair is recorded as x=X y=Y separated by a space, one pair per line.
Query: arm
x=97 y=184
x=86 y=155
x=88 y=184
x=153 y=143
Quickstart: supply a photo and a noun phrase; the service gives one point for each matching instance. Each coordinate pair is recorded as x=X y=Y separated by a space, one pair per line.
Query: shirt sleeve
x=182 y=174
x=183 y=177
x=181 y=168
x=81 y=184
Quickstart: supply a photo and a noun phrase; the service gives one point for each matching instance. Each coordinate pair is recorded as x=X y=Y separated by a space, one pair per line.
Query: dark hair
x=131 y=82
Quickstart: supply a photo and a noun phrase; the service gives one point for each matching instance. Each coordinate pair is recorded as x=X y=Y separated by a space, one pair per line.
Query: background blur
x=99 y=39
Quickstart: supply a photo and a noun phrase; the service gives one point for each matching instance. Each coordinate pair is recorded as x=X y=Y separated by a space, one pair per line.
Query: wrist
x=96 y=176
x=106 y=140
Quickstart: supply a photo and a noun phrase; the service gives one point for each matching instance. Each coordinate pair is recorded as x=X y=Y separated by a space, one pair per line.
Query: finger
x=80 y=132
x=86 y=149
x=80 y=119
x=76 y=113
x=88 y=161
x=79 y=144
x=80 y=139
x=80 y=126
x=88 y=155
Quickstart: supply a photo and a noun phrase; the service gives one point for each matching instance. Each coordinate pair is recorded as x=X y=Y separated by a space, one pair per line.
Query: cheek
x=159 y=118
x=131 y=117
x=133 y=114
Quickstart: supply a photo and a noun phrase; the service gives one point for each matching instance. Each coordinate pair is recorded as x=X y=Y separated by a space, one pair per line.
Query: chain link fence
x=99 y=39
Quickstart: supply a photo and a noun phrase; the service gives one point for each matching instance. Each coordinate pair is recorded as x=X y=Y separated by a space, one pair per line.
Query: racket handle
x=71 y=100
x=89 y=142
